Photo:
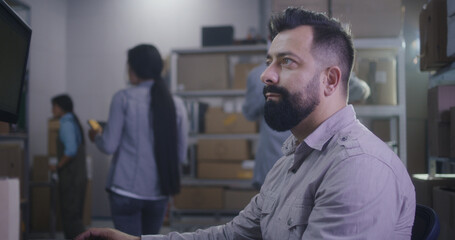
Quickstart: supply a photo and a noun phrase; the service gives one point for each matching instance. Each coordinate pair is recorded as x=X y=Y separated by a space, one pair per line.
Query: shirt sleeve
x=357 y=200
x=244 y=226
x=182 y=129
x=253 y=106
x=109 y=140
x=68 y=138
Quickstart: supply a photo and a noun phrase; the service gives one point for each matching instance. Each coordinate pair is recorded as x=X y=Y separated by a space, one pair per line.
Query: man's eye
x=286 y=61
x=268 y=62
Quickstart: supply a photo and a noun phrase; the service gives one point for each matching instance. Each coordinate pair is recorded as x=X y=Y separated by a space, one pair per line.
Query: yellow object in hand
x=94 y=124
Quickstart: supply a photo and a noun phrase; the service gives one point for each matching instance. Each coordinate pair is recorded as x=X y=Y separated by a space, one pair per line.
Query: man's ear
x=332 y=80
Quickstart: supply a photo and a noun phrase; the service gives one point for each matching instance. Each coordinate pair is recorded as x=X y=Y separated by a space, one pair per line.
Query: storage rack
x=445 y=76
x=396 y=113
x=25 y=200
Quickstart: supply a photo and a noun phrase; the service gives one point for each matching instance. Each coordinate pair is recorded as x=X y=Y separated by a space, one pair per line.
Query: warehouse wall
x=47 y=66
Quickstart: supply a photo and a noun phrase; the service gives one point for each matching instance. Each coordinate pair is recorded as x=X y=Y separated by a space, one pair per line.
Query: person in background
x=336 y=179
x=147 y=133
x=270 y=141
x=71 y=166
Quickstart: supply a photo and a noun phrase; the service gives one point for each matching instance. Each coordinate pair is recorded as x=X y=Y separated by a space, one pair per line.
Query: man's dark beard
x=289 y=111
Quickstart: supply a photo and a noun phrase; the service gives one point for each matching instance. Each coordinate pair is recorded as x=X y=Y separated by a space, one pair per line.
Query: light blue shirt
x=270 y=141
x=69 y=134
x=128 y=136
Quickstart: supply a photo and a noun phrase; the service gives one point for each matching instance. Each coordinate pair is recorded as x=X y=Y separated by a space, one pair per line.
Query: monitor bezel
x=6 y=116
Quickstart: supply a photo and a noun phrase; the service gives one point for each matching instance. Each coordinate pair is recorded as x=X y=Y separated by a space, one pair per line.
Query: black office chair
x=426 y=224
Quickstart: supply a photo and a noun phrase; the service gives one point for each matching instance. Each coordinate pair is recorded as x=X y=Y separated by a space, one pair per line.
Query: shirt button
x=289 y=221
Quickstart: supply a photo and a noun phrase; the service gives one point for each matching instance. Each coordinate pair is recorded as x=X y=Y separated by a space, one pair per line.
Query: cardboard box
x=40 y=208
x=424 y=186
x=40 y=169
x=381 y=128
x=433 y=36
x=238 y=199
x=444 y=206
x=4 y=128
x=223 y=149
x=53 y=126
x=452 y=132
x=439 y=138
x=9 y=208
x=368 y=19
x=241 y=71
x=202 y=72
x=380 y=74
x=11 y=163
x=440 y=100
x=217 y=121
x=451 y=36
x=223 y=170
x=199 y=198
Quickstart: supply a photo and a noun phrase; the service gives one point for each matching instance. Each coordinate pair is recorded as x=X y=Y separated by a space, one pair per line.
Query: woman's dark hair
x=66 y=104
x=146 y=62
x=328 y=36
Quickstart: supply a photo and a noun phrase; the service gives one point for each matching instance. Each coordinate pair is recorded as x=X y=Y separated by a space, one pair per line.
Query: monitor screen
x=15 y=38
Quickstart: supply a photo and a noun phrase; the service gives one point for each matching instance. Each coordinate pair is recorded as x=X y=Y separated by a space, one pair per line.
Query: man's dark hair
x=328 y=36
x=146 y=62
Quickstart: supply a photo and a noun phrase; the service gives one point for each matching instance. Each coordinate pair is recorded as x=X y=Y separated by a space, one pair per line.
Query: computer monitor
x=15 y=38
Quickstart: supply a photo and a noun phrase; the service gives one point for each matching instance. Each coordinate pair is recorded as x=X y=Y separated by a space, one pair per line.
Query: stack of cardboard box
x=213 y=198
x=434 y=42
x=440 y=100
x=220 y=159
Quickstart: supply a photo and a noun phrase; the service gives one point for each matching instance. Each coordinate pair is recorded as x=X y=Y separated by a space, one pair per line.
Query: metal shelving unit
x=396 y=113
x=191 y=219
x=25 y=200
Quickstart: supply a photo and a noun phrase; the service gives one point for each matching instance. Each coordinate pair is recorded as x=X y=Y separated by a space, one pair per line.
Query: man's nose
x=270 y=76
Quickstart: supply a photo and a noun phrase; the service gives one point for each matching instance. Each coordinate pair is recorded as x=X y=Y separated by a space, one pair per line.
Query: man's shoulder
x=359 y=140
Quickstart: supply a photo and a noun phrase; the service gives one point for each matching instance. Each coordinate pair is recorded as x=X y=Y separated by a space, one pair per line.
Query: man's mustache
x=274 y=89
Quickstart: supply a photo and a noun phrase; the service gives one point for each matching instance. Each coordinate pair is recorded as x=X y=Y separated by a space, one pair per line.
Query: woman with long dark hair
x=147 y=133
x=71 y=166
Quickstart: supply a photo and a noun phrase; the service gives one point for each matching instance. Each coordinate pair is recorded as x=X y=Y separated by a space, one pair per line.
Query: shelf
x=379 y=43
x=234 y=183
x=442 y=159
x=218 y=49
x=445 y=76
x=13 y=136
x=249 y=136
x=212 y=93
x=379 y=111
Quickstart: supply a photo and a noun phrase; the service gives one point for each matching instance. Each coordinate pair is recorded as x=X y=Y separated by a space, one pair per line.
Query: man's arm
x=245 y=226
x=253 y=106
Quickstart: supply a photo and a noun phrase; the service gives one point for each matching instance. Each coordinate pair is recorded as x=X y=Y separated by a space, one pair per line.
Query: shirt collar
x=67 y=116
x=319 y=138
x=146 y=83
